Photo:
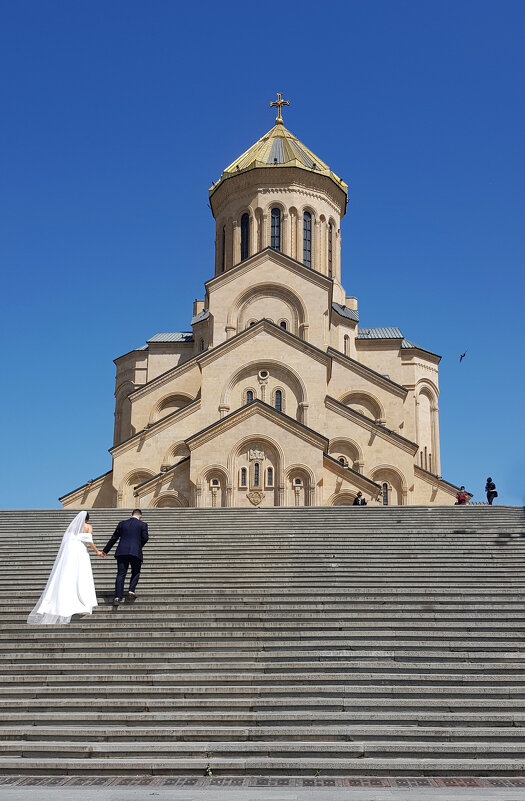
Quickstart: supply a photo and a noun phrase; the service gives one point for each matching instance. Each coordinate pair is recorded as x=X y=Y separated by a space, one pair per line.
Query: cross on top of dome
x=279 y=103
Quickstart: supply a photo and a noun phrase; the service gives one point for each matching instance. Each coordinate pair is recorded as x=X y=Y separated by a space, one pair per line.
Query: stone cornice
x=369 y=424
x=368 y=373
x=431 y=478
x=277 y=178
x=270 y=328
x=434 y=358
x=159 y=425
x=281 y=259
x=260 y=408
x=94 y=483
x=349 y=473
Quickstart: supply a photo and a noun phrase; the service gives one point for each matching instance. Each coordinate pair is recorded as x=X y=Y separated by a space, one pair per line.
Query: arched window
x=201 y=345
x=307 y=239
x=215 y=482
x=342 y=461
x=269 y=477
x=245 y=236
x=223 y=249
x=297 y=482
x=249 y=396
x=347 y=345
x=243 y=476
x=276 y=229
x=278 y=400
x=256 y=474
x=283 y=325
x=385 y=494
x=330 y=247
x=252 y=323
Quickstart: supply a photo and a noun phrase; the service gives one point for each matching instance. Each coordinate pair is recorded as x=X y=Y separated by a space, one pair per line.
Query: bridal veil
x=70 y=589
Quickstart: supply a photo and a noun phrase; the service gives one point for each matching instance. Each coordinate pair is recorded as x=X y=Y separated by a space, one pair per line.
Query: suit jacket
x=132 y=535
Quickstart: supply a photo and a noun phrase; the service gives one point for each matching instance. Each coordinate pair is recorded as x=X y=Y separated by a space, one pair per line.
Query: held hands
x=101 y=554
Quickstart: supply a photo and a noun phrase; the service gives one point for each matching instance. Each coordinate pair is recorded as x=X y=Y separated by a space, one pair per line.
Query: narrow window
x=215 y=482
x=201 y=345
x=283 y=325
x=223 y=249
x=243 y=476
x=278 y=400
x=307 y=239
x=330 y=248
x=342 y=461
x=430 y=462
x=385 y=494
x=249 y=396
x=269 y=477
x=256 y=474
x=347 y=345
x=276 y=229
x=245 y=236
x=297 y=482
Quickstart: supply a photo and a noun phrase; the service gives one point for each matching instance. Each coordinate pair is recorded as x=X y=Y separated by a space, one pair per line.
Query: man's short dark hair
x=136 y=512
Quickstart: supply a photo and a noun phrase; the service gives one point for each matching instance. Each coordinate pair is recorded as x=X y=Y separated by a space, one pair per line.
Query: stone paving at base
x=225 y=788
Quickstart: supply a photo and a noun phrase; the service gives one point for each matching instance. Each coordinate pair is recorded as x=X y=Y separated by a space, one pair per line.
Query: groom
x=133 y=534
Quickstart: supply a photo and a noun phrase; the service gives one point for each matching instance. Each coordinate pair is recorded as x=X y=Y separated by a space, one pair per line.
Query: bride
x=70 y=589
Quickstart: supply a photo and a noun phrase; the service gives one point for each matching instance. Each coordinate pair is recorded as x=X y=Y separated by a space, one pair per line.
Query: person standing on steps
x=133 y=535
x=490 y=489
x=359 y=500
x=70 y=589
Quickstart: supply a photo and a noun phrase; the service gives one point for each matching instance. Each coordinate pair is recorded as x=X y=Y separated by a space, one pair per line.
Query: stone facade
x=276 y=397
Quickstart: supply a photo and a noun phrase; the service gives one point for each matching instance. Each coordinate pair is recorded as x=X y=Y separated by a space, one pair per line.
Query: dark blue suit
x=132 y=535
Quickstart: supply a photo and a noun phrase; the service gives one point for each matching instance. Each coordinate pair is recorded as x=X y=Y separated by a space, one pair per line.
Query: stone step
x=385 y=640
x=214 y=749
x=261 y=766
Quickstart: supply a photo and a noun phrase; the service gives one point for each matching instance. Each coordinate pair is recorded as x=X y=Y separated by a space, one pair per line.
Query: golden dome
x=279 y=148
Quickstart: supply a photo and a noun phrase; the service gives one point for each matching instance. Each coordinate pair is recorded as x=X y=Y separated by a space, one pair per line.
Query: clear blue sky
x=117 y=116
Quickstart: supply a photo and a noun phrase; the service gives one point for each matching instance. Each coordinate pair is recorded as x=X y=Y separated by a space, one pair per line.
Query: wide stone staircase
x=366 y=641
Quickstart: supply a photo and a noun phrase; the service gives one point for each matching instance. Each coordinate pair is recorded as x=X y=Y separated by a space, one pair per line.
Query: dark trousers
x=123 y=563
x=490 y=497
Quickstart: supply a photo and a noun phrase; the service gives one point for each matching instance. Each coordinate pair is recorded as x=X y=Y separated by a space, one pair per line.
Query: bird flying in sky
x=462 y=357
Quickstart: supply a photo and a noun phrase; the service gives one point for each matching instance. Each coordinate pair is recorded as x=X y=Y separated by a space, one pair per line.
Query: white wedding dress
x=70 y=589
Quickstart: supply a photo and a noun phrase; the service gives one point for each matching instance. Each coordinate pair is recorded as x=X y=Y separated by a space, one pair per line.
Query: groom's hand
x=103 y=555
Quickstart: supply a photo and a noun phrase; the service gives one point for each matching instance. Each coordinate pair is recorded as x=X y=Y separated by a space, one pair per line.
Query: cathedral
x=277 y=396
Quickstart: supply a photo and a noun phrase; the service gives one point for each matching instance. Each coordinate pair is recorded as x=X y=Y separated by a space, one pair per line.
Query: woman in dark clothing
x=490 y=489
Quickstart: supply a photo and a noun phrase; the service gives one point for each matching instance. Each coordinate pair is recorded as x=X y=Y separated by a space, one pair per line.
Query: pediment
x=269 y=255
x=251 y=412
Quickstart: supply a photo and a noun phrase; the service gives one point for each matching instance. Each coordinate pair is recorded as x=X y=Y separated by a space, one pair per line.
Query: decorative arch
x=168 y=404
x=395 y=479
x=427 y=425
x=274 y=458
x=123 y=427
x=296 y=383
x=297 y=310
x=179 y=450
x=300 y=494
x=126 y=494
x=343 y=446
x=365 y=403
x=214 y=496
x=170 y=499
x=344 y=498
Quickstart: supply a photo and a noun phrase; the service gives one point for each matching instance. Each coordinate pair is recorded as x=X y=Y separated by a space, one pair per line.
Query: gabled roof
x=279 y=148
